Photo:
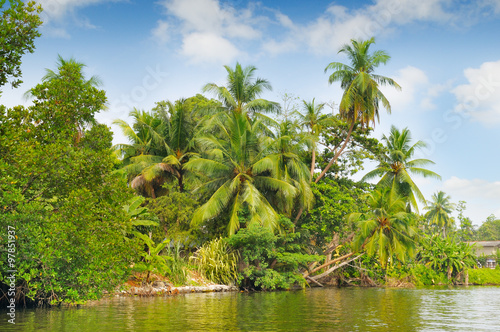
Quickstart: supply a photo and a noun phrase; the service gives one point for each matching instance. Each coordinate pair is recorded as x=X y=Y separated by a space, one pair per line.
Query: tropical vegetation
x=225 y=188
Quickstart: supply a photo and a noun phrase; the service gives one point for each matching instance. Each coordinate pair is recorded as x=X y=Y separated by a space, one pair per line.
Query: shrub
x=484 y=276
x=217 y=262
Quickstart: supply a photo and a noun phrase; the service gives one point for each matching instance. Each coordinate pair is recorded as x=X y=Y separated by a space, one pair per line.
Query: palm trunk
x=181 y=183
x=313 y=162
x=336 y=156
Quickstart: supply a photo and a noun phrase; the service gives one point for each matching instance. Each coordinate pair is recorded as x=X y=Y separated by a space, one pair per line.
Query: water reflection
x=348 y=309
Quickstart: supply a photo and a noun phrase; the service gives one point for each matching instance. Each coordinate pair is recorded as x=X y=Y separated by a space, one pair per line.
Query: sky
x=445 y=54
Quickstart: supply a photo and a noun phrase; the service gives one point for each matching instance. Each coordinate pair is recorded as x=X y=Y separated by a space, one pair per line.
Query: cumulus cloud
x=338 y=24
x=208 y=47
x=480 y=97
x=412 y=80
x=209 y=30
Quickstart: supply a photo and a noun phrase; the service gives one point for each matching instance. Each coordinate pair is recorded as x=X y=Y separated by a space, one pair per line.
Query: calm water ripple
x=346 y=309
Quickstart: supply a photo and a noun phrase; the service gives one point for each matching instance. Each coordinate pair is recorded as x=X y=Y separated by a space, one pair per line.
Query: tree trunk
x=328 y=264
x=339 y=152
x=313 y=162
x=181 y=183
x=322 y=275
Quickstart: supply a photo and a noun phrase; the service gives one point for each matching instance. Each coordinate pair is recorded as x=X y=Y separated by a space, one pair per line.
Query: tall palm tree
x=439 y=208
x=361 y=97
x=238 y=174
x=242 y=91
x=396 y=167
x=386 y=229
x=283 y=151
x=315 y=122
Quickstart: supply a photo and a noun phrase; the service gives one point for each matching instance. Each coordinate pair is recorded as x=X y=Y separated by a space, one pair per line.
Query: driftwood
x=324 y=274
x=327 y=264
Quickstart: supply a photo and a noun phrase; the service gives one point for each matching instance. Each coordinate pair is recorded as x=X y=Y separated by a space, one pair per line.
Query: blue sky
x=445 y=55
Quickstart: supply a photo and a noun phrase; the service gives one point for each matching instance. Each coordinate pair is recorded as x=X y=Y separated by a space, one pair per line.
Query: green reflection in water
x=346 y=309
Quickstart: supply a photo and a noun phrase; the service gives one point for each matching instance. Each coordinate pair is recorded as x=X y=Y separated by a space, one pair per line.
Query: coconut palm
x=161 y=143
x=314 y=121
x=396 y=167
x=241 y=93
x=361 y=97
x=238 y=175
x=439 y=208
x=284 y=150
x=386 y=230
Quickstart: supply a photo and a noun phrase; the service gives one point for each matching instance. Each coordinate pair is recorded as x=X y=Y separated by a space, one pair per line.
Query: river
x=330 y=309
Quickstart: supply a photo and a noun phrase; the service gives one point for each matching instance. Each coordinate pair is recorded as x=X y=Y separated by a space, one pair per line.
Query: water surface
x=331 y=309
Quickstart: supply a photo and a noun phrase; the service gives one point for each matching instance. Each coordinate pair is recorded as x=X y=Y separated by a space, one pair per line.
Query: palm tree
x=238 y=174
x=161 y=143
x=315 y=123
x=284 y=150
x=439 y=208
x=241 y=95
x=361 y=97
x=386 y=229
x=396 y=166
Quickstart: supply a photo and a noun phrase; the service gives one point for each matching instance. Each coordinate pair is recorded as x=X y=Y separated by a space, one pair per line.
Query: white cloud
x=57 y=9
x=338 y=25
x=482 y=197
x=208 y=47
x=204 y=22
x=408 y=11
x=55 y=13
x=411 y=80
x=480 y=97
x=161 y=32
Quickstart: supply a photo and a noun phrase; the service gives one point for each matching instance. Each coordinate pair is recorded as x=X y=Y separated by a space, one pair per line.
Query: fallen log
x=316 y=282
x=327 y=264
x=324 y=274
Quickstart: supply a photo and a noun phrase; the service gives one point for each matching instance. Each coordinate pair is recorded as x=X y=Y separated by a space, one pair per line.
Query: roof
x=486 y=243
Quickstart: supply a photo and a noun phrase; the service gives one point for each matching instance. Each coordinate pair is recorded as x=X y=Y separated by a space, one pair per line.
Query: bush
x=484 y=276
x=270 y=261
x=425 y=276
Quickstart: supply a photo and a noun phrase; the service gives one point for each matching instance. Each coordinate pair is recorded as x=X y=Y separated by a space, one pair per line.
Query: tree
x=467 y=231
x=241 y=92
x=489 y=230
x=59 y=195
x=18 y=30
x=395 y=166
x=447 y=255
x=55 y=105
x=238 y=175
x=387 y=229
x=361 y=97
x=315 y=122
x=439 y=209
x=161 y=142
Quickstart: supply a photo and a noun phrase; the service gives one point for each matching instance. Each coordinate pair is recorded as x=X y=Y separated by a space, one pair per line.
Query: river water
x=330 y=309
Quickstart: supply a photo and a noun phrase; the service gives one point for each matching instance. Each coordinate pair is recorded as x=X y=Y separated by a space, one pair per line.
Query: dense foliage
x=225 y=187
x=18 y=30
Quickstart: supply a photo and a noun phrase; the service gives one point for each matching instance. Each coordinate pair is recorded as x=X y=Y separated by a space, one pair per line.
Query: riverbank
x=160 y=288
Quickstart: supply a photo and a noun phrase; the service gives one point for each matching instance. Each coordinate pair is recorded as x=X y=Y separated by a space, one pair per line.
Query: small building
x=487 y=248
